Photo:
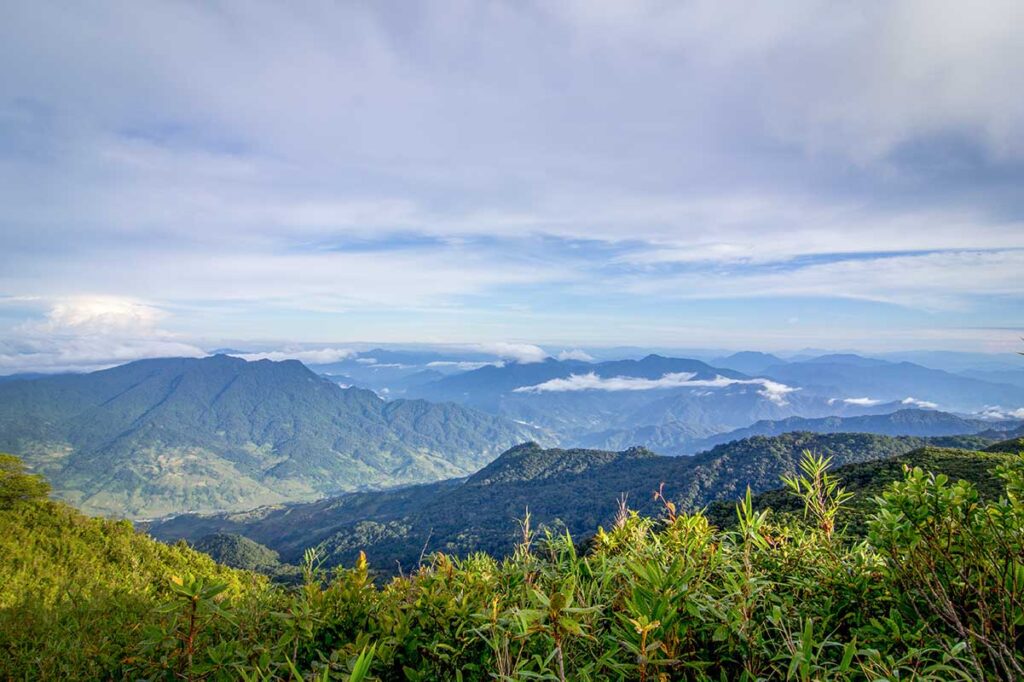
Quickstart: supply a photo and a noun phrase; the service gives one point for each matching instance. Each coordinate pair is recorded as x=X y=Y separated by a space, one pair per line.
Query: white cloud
x=998 y=412
x=156 y=150
x=576 y=354
x=464 y=365
x=925 y=404
x=85 y=333
x=318 y=356
x=863 y=402
x=772 y=390
x=523 y=353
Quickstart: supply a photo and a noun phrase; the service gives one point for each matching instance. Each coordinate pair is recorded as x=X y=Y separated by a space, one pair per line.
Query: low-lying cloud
x=318 y=356
x=523 y=353
x=998 y=412
x=862 y=402
x=463 y=365
x=926 y=404
x=576 y=354
x=772 y=390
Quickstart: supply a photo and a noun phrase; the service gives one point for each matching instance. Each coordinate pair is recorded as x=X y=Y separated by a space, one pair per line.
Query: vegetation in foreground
x=933 y=593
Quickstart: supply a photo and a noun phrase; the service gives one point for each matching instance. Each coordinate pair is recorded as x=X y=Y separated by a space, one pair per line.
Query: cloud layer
x=568 y=173
x=772 y=390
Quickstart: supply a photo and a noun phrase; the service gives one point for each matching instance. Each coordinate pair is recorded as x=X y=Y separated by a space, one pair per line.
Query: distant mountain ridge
x=161 y=436
x=677 y=439
x=907 y=422
x=674 y=405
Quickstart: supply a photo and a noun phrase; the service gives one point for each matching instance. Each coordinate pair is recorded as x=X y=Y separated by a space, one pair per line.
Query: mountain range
x=679 y=406
x=171 y=435
x=574 y=489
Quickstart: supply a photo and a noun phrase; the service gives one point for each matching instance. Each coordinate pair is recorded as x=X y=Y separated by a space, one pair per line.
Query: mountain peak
x=529 y=462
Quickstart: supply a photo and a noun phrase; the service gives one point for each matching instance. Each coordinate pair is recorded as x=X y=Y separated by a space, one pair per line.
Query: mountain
x=907 y=422
x=749 y=362
x=852 y=377
x=575 y=488
x=165 y=436
x=1013 y=377
x=676 y=438
x=575 y=400
x=673 y=404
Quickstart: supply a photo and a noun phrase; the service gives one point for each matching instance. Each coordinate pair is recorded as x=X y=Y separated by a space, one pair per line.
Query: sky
x=179 y=176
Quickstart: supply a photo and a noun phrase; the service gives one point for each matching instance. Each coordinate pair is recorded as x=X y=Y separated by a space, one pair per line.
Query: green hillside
x=933 y=595
x=80 y=590
x=168 y=436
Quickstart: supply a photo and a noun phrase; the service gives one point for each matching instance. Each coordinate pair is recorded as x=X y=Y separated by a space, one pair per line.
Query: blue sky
x=174 y=176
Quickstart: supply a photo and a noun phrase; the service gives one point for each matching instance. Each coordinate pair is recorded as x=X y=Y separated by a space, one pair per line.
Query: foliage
x=16 y=485
x=934 y=593
x=866 y=480
x=238 y=551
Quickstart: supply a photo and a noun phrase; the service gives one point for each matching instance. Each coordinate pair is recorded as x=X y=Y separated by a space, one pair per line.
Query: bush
x=934 y=593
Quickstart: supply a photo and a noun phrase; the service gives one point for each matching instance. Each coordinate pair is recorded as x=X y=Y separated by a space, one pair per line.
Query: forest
x=931 y=591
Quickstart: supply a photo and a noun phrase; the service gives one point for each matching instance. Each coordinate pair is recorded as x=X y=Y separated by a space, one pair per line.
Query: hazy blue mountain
x=855 y=377
x=1013 y=377
x=748 y=362
x=574 y=413
x=575 y=488
x=956 y=361
x=161 y=436
x=907 y=422
x=683 y=438
x=392 y=371
x=676 y=417
x=21 y=377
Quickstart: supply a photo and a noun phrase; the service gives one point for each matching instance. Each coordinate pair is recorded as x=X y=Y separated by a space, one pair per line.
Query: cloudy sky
x=768 y=175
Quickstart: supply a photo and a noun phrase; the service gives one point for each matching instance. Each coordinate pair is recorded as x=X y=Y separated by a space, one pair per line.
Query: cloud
x=998 y=412
x=318 y=356
x=437 y=185
x=463 y=365
x=925 y=404
x=576 y=354
x=862 y=402
x=523 y=353
x=772 y=390
x=939 y=281
x=86 y=333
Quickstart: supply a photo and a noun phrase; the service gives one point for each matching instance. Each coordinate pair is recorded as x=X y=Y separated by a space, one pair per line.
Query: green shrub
x=933 y=593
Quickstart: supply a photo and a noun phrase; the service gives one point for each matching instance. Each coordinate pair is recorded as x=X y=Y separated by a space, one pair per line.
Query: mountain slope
x=172 y=435
x=576 y=488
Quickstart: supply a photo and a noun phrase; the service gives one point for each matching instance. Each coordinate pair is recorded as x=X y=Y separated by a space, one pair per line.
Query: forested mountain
x=172 y=435
x=577 y=489
x=907 y=422
x=674 y=438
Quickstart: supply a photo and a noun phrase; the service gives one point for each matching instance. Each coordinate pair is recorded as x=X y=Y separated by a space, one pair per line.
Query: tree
x=16 y=485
